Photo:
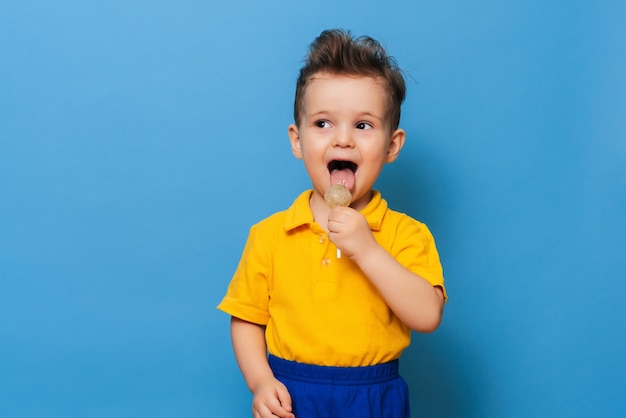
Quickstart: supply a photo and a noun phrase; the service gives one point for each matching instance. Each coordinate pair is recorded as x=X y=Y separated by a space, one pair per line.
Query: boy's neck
x=320 y=210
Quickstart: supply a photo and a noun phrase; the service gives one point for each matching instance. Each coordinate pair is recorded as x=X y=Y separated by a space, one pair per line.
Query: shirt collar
x=299 y=213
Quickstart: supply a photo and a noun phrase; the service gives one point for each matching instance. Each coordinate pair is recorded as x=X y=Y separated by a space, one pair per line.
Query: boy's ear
x=294 y=138
x=395 y=145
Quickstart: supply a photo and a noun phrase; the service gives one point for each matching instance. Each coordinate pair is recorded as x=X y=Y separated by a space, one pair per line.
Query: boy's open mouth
x=342 y=172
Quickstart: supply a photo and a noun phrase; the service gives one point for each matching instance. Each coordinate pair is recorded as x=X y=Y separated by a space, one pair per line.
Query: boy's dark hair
x=337 y=52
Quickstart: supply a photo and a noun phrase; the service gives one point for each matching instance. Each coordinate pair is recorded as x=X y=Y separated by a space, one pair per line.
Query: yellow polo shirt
x=320 y=309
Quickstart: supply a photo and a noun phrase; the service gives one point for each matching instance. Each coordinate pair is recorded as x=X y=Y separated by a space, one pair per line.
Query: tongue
x=344 y=177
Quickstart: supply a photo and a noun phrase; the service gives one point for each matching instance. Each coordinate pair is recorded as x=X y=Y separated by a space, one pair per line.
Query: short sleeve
x=247 y=297
x=414 y=248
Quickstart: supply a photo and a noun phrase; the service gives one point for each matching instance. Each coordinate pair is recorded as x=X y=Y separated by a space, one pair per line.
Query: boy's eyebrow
x=318 y=114
x=366 y=113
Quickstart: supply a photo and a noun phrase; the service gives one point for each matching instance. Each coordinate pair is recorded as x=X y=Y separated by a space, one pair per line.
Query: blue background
x=139 y=140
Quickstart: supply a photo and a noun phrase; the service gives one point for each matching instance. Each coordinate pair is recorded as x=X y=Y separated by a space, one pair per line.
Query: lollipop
x=338 y=195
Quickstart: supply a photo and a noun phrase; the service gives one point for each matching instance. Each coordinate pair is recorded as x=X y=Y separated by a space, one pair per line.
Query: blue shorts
x=330 y=392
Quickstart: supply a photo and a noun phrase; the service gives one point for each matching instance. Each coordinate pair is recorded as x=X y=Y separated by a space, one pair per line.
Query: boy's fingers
x=277 y=409
x=285 y=399
x=280 y=412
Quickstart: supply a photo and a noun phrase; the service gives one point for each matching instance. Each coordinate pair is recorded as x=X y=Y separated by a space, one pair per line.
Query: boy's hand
x=350 y=232
x=271 y=399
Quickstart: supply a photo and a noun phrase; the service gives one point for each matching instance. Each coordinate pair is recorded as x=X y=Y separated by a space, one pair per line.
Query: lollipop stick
x=338 y=253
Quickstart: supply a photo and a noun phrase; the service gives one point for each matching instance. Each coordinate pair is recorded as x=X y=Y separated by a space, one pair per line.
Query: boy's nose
x=343 y=139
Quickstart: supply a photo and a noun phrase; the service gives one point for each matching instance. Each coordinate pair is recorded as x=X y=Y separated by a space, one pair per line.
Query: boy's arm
x=414 y=300
x=271 y=397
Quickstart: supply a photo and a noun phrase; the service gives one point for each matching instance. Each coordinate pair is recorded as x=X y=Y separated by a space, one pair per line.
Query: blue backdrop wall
x=139 y=140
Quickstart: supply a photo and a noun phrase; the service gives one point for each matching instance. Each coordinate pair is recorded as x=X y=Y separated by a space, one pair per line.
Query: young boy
x=333 y=294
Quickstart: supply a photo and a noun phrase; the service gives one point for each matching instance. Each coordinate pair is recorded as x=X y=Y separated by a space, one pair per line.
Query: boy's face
x=345 y=135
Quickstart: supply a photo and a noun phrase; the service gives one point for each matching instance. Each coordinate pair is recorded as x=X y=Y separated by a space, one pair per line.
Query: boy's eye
x=322 y=124
x=363 y=125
